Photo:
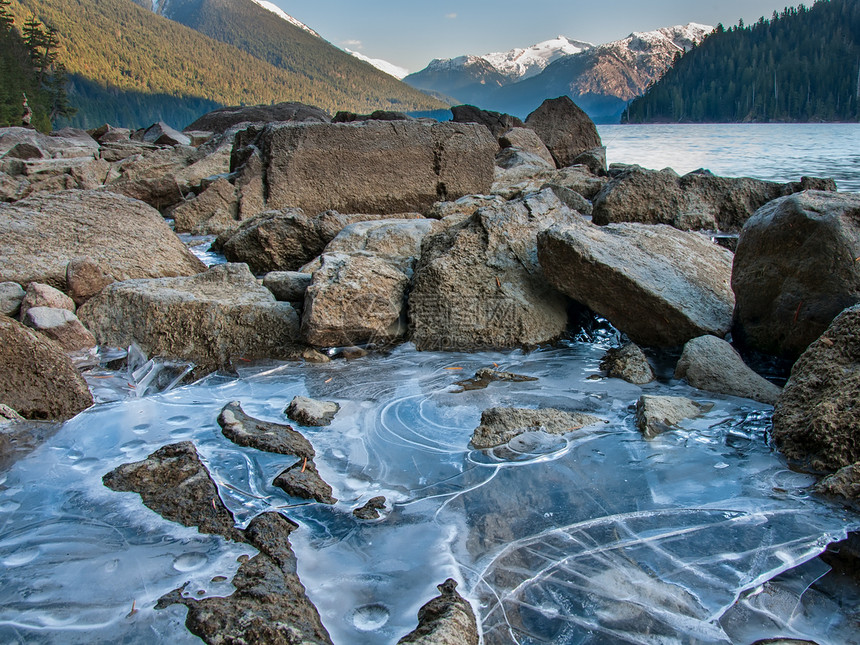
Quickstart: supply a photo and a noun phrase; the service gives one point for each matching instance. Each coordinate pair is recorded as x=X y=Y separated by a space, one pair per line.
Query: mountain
x=382 y=65
x=601 y=79
x=130 y=66
x=275 y=9
x=801 y=65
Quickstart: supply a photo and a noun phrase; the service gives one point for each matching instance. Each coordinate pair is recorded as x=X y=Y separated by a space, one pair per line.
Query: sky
x=410 y=34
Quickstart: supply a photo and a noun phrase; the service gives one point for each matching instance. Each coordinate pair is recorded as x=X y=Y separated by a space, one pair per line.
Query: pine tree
x=6 y=18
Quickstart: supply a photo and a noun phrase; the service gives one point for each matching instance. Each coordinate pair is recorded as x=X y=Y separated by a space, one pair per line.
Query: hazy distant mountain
x=468 y=79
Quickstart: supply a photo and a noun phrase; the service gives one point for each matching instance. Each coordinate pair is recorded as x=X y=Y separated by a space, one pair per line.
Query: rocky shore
x=350 y=236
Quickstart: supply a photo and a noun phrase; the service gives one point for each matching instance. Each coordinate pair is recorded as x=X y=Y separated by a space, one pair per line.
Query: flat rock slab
x=658 y=414
x=247 y=431
x=310 y=412
x=500 y=425
x=659 y=285
x=448 y=619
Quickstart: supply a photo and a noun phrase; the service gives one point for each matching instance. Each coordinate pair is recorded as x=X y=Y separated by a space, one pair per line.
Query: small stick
x=304 y=464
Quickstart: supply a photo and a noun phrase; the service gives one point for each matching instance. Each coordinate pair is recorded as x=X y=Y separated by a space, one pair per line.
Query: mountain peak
x=382 y=65
x=520 y=63
x=275 y=9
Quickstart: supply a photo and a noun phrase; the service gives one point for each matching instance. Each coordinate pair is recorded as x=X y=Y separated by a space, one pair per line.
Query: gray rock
x=303 y=480
x=287 y=286
x=570 y=198
x=845 y=482
x=509 y=158
x=628 y=362
x=815 y=418
x=44 y=295
x=210 y=319
x=463 y=208
x=127 y=238
x=11 y=295
x=195 y=213
x=376 y=115
x=500 y=425
x=479 y=284
x=448 y=619
x=564 y=128
x=309 y=412
x=658 y=414
x=594 y=160
x=795 y=269
x=223 y=119
x=85 y=277
x=526 y=139
x=66 y=143
x=8 y=415
x=497 y=122
x=710 y=363
x=485 y=375
x=365 y=167
x=277 y=438
x=523 y=180
x=370 y=511
x=60 y=325
x=658 y=285
x=37 y=377
x=163 y=135
x=398 y=241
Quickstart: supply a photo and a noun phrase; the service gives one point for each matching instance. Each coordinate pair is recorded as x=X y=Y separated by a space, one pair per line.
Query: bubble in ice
x=369 y=618
x=189 y=561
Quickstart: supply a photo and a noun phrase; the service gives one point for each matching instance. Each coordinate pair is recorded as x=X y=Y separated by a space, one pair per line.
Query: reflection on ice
x=597 y=536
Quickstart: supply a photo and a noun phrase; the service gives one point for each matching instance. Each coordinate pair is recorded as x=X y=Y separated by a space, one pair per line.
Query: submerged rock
x=795 y=269
x=37 y=378
x=815 y=419
x=484 y=376
x=309 y=412
x=710 y=363
x=448 y=619
x=500 y=425
x=658 y=414
x=247 y=431
x=370 y=511
x=566 y=130
x=658 y=285
x=628 y=362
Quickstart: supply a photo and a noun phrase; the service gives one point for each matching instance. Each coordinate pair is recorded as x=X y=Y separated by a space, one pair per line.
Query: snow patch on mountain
x=682 y=37
x=380 y=64
x=275 y=9
x=522 y=63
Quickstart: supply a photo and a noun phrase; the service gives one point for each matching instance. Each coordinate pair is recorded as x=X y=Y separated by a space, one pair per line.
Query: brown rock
x=448 y=619
x=370 y=511
x=223 y=119
x=85 y=277
x=497 y=122
x=247 y=431
x=303 y=480
x=60 y=325
x=500 y=425
x=845 y=482
x=658 y=414
x=43 y=295
x=564 y=128
x=628 y=362
x=309 y=412
x=192 y=214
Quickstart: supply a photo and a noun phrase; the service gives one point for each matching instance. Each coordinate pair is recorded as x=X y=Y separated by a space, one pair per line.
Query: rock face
x=210 y=319
x=309 y=412
x=61 y=326
x=479 y=284
x=496 y=122
x=223 y=119
x=448 y=619
x=500 y=425
x=269 y=604
x=658 y=285
x=128 y=238
x=362 y=167
x=795 y=269
x=37 y=379
x=698 y=200
x=564 y=128
x=658 y=414
x=815 y=419
x=710 y=363
x=628 y=362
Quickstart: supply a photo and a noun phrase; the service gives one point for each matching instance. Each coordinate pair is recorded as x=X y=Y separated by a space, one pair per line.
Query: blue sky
x=410 y=34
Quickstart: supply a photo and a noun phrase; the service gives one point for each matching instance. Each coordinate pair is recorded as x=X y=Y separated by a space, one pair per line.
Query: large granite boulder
x=525 y=140
x=698 y=200
x=479 y=284
x=25 y=143
x=795 y=269
x=497 y=122
x=710 y=363
x=566 y=130
x=362 y=167
x=194 y=215
x=210 y=319
x=396 y=240
x=126 y=237
x=659 y=285
x=37 y=378
x=815 y=418
x=222 y=119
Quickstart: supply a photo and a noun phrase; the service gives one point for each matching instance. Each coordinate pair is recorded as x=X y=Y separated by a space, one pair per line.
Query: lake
x=774 y=151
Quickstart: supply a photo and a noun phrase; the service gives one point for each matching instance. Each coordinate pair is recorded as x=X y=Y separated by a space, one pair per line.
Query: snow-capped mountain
x=275 y=9
x=522 y=63
x=382 y=65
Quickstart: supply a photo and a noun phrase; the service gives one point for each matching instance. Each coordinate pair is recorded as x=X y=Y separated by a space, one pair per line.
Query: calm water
x=774 y=151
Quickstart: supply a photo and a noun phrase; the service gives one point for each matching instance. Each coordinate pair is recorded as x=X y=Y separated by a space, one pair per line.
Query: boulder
x=479 y=284
x=376 y=115
x=13 y=188
x=11 y=296
x=37 y=378
x=127 y=238
x=397 y=241
x=222 y=119
x=463 y=208
x=278 y=438
x=566 y=130
x=370 y=511
x=154 y=176
x=60 y=325
x=85 y=277
x=511 y=183
x=628 y=362
x=527 y=140
x=309 y=412
x=572 y=199
x=44 y=295
x=815 y=418
x=210 y=319
x=658 y=414
x=448 y=619
x=658 y=285
x=710 y=363
x=287 y=286
x=193 y=214
x=355 y=299
x=303 y=480
x=796 y=268
x=363 y=167
x=162 y=134
x=698 y=200
x=500 y=425
x=510 y=158
x=594 y=160
x=66 y=143
x=497 y=122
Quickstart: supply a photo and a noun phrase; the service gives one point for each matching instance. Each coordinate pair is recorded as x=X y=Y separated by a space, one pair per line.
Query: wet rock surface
x=500 y=425
x=303 y=480
x=484 y=376
x=628 y=362
x=448 y=619
x=815 y=420
x=310 y=412
x=245 y=430
x=658 y=414
x=370 y=511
